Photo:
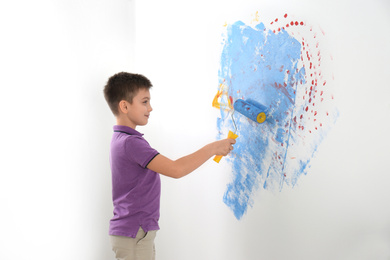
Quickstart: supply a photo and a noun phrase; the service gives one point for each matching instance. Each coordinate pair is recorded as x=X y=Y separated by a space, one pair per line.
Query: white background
x=55 y=187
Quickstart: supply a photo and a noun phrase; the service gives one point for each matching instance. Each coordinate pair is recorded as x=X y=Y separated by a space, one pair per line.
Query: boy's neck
x=124 y=121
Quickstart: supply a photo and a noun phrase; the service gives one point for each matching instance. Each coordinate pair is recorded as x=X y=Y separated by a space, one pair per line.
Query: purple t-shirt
x=135 y=189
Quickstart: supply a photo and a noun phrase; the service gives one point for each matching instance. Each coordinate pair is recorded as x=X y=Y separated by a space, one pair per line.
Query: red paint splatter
x=311 y=57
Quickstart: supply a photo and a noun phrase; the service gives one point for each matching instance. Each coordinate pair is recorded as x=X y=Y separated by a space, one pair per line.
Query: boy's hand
x=223 y=147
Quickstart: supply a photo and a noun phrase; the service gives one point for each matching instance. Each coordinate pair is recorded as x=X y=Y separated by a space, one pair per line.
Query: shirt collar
x=126 y=129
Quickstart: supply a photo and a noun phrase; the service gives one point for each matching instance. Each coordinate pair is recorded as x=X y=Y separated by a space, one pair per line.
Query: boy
x=135 y=167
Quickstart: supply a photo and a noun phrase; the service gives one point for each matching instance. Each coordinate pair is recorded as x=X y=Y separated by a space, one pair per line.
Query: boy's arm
x=187 y=164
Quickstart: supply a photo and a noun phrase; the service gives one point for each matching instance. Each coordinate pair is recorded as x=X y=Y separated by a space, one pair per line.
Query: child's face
x=139 y=110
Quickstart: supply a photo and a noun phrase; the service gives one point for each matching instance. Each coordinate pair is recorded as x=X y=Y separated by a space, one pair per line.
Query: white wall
x=55 y=187
x=339 y=210
x=55 y=190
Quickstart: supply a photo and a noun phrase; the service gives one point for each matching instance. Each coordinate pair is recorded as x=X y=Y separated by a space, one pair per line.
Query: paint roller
x=252 y=110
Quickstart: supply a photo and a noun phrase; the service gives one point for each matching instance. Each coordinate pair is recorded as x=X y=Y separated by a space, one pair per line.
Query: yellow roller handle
x=231 y=135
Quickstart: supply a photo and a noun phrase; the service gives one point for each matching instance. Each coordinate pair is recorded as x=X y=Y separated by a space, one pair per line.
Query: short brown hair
x=124 y=86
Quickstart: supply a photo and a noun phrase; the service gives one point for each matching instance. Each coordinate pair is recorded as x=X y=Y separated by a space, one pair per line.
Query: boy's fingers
x=232 y=141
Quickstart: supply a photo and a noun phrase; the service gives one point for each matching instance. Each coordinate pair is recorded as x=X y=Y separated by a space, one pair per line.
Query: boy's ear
x=123 y=106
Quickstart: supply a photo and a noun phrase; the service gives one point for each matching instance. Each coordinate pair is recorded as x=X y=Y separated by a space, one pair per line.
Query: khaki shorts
x=139 y=248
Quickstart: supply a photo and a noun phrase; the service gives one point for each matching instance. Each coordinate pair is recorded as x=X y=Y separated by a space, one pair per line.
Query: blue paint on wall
x=264 y=67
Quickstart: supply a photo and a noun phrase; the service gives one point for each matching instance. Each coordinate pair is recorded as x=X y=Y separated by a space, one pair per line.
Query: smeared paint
x=272 y=67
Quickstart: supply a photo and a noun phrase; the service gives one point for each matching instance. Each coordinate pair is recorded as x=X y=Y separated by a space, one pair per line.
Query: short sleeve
x=140 y=151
